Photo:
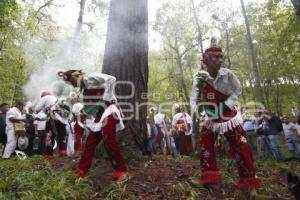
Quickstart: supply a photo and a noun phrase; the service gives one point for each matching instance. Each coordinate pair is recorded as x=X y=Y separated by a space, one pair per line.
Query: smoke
x=63 y=53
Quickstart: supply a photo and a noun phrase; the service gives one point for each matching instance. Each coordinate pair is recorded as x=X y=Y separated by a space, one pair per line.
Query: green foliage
x=11 y=60
x=34 y=178
x=274 y=27
x=20 y=24
x=171 y=70
x=114 y=191
x=179 y=189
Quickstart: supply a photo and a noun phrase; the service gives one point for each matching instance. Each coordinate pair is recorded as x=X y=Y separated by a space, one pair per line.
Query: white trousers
x=11 y=143
x=71 y=140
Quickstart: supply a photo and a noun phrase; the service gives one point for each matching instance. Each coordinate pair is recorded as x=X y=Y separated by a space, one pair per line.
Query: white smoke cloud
x=63 y=53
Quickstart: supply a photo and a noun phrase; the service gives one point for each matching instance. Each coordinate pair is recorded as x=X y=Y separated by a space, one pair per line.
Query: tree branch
x=48 y=3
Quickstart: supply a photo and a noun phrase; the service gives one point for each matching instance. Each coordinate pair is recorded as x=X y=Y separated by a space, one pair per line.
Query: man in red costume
x=218 y=88
x=100 y=102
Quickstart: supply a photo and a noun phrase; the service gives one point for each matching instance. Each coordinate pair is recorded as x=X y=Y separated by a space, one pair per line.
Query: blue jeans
x=251 y=138
x=269 y=147
x=151 y=146
x=292 y=146
x=275 y=146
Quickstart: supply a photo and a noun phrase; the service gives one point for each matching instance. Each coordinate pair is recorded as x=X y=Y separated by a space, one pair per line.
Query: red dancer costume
x=77 y=110
x=220 y=89
x=100 y=102
x=182 y=123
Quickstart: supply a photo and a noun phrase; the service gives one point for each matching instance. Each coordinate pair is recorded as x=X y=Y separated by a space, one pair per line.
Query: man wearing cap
x=55 y=125
x=14 y=115
x=218 y=88
x=100 y=102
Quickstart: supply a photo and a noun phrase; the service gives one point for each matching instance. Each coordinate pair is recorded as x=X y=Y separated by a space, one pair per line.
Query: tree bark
x=259 y=93
x=228 y=47
x=80 y=17
x=182 y=82
x=296 y=4
x=296 y=91
x=200 y=35
x=126 y=58
x=73 y=51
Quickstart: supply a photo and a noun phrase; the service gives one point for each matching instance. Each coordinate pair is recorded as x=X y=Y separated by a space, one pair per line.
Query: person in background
x=14 y=115
x=250 y=126
x=30 y=131
x=291 y=136
x=150 y=137
x=3 y=111
x=160 y=120
x=70 y=137
x=183 y=123
x=55 y=125
x=78 y=126
x=271 y=125
x=40 y=131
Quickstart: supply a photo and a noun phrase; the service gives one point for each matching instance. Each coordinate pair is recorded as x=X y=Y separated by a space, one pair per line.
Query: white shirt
x=186 y=118
x=100 y=80
x=159 y=119
x=289 y=129
x=41 y=124
x=226 y=82
x=298 y=129
x=46 y=102
x=14 y=112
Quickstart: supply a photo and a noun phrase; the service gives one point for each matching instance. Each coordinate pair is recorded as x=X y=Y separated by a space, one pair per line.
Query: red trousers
x=242 y=153
x=185 y=143
x=78 y=137
x=111 y=145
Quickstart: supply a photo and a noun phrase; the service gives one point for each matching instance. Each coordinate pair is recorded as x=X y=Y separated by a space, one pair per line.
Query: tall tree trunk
x=259 y=93
x=126 y=58
x=80 y=17
x=296 y=4
x=296 y=91
x=200 y=35
x=243 y=93
x=183 y=84
x=277 y=99
x=228 y=47
x=73 y=51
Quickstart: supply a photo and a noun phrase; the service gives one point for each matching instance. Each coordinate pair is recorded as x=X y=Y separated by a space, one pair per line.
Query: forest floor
x=156 y=177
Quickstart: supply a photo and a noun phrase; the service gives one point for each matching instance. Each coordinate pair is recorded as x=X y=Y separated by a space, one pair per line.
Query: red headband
x=212 y=52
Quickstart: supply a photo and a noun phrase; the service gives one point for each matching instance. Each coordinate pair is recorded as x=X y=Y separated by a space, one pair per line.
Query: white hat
x=29 y=104
x=76 y=109
x=21 y=155
x=23 y=142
